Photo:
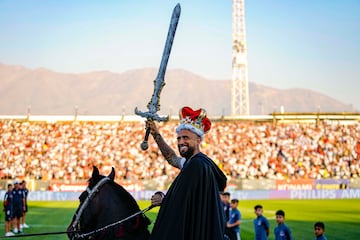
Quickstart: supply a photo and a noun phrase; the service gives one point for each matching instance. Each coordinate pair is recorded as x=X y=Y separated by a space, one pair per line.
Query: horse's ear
x=112 y=174
x=95 y=172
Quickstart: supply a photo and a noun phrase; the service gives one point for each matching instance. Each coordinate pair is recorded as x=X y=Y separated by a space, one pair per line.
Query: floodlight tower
x=239 y=82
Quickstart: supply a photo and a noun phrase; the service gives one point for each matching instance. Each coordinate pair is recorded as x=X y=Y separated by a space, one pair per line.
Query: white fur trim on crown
x=187 y=126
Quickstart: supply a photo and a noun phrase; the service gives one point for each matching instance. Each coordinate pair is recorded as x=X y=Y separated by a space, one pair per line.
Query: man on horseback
x=192 y=208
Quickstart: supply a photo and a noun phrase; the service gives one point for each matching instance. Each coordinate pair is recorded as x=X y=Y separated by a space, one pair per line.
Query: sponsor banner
x=296 y=194
x=143 y=195
x=263 y=184
x=133 y=186
x=325 y=194
x=81 y=186
x=64 y=187
x=295 y=184
x=250 y=194
x=241 y=195
x=53 y=196
x=279 y=194
x=332 y=184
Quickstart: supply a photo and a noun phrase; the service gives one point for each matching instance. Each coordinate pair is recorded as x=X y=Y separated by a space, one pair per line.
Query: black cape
x=192 y=209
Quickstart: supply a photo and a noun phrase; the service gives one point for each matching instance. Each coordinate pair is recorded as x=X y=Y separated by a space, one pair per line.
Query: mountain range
x=45 y=92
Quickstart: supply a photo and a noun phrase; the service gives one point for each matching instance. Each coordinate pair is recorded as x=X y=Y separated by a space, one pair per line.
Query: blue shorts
x=8 y=215
x=18 y=213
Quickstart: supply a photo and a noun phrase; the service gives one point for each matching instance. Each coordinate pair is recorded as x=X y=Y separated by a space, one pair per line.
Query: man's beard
x=188 y=154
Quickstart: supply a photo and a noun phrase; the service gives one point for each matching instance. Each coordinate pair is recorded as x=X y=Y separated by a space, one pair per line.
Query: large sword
x=159 y=82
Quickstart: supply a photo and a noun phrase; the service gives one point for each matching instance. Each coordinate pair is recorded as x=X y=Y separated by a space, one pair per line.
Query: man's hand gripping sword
x=159 y=83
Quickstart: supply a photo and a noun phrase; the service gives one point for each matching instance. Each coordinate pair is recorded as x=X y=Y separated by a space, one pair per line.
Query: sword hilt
x=144 y=145
x=151 y=116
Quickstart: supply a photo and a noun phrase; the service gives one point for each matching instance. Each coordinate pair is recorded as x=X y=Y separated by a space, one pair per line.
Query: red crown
x=194 y=120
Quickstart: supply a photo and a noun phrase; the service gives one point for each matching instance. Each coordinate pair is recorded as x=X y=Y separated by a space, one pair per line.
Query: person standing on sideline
x=261 y=224
x=8 y=209
x=225 y=198
x=319 y=229
x=235 y=220
x=192 y=208
x=19 y=206
x=26 y=193
x=282 y=231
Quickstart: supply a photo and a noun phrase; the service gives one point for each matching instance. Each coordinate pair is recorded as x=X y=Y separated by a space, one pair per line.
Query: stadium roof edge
x=70 y=118
x=135 y=118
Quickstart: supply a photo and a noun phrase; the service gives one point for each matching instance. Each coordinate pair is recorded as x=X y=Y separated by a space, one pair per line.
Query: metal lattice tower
x=239 y=82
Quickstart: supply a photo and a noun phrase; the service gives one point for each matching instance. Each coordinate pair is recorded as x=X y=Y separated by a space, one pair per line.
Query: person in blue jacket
x=319 y=229
x=261 y=224
x=281 y=231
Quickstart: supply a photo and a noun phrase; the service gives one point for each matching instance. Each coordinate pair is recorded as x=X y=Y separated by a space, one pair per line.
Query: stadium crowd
x=68 y=150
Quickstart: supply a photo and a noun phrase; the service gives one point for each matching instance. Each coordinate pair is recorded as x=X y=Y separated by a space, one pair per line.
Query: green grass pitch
x=341 y=217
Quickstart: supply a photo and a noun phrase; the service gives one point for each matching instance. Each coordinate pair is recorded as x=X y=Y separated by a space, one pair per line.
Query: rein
x=91 y=193
x=84 y=235
x=38 y=234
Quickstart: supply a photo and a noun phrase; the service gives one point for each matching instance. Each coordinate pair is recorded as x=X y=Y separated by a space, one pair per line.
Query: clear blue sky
x=312 y=44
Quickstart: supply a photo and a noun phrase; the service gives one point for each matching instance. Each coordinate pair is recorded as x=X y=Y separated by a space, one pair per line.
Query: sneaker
x=21 y=226
x=25 y=225
x=15 y=230
x=9 y=234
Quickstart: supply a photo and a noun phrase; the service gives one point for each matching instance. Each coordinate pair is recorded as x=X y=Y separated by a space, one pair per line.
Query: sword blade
x=159 y=82
x=169 y=42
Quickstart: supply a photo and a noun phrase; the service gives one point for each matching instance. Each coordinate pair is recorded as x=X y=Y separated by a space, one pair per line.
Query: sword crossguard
x=151 y=115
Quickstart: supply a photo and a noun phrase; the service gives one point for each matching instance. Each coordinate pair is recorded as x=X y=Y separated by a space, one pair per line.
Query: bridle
x=91 y=194
x=76 y=223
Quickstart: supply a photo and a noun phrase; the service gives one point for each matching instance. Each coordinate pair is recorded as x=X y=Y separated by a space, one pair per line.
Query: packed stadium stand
x=67 y=150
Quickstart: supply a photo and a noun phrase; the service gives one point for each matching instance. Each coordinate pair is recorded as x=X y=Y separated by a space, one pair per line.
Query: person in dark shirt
x=225 y=198
x=26 y=193
x=8 y=209
x=19 y=205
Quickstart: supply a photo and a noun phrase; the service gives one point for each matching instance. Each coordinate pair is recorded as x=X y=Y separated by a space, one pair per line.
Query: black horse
x=108 y=211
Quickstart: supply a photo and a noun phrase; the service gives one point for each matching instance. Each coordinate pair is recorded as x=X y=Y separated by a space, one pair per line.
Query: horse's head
x=103 y=207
